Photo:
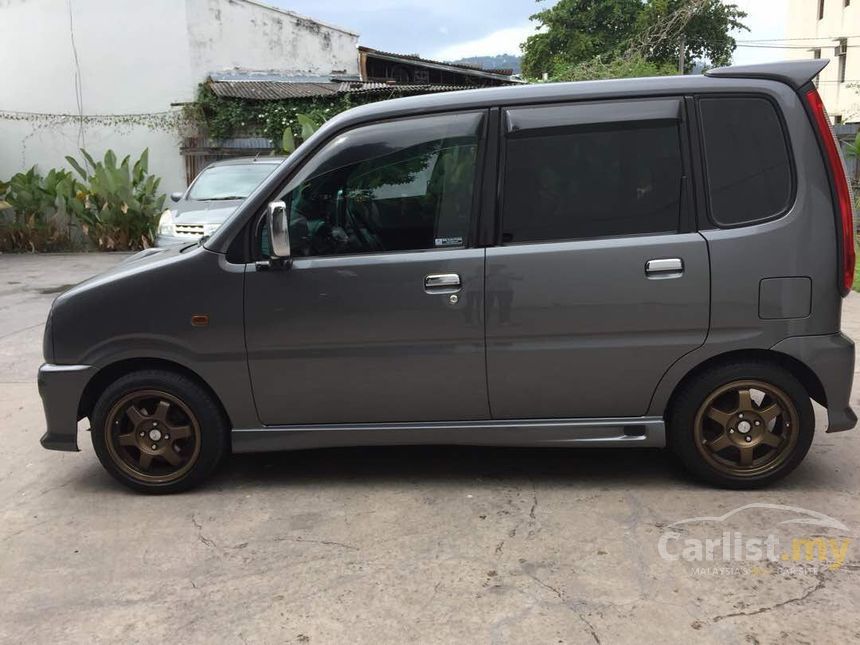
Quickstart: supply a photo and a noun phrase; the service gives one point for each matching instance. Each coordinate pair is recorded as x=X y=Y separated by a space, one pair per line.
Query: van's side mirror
x=279 y=230
x=175 y=197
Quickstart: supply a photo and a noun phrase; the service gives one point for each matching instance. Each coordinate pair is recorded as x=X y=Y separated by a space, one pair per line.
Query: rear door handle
x=664 y=268
x=442 y=283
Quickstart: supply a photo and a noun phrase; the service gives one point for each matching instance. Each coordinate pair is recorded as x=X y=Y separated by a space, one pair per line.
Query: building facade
x=99 y=75
x=830 y=29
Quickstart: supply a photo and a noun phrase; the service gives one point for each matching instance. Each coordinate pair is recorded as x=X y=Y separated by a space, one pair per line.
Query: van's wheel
x=158 y=432
x=742 y=425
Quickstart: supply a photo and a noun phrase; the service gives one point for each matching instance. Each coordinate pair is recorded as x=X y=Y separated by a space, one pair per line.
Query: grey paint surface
x=641 y=432
x=564 y=320
x=785 y=298
x=429 y=545
x=356 y=340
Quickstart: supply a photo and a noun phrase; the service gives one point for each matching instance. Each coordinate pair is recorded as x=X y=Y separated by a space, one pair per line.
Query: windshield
x=230 y=182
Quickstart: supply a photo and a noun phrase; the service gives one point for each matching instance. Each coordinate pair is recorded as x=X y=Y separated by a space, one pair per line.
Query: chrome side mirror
x=279 y=230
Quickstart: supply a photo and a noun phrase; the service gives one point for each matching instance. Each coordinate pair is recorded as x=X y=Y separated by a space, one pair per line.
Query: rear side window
x=747 y=161
x=592 y=180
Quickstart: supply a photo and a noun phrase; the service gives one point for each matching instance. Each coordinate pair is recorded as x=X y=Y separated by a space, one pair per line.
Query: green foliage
x=39 y=204
x=230 y=117
x=706 y=34
x=579 y=31
x=853 y=149
x=308 y=125
x=596 y=68
x=117 y=204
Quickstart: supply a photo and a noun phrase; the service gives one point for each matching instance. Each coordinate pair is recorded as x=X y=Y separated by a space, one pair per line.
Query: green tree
x=574 y=31
x=705 y=33
x=579 y=31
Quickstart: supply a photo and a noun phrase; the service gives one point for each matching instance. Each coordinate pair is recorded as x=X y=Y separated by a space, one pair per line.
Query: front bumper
x=61 y=387
x=831 y=358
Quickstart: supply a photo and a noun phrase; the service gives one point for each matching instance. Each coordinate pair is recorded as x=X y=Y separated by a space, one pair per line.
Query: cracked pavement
x=388 y=545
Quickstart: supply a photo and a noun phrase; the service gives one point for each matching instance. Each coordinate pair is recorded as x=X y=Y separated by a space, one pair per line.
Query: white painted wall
x=838 y=21
x=226 y=34
x=137 y=56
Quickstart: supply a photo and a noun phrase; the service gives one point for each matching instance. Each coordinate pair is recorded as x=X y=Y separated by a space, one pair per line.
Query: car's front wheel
x=742 y=425
x=158 y=432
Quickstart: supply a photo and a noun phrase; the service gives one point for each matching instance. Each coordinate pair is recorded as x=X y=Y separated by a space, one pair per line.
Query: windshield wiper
x=225 y=198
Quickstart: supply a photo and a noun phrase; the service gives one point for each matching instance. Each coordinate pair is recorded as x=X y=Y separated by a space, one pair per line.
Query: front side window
x=594 y=180
x=402 y=186
x=746 y=157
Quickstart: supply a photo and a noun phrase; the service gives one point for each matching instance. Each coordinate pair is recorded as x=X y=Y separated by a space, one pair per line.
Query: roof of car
x=793 y=73
x=245 y=161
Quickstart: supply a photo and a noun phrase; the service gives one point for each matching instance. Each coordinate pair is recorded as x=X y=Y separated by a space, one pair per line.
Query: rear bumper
x=61 y=387
x=831 y=358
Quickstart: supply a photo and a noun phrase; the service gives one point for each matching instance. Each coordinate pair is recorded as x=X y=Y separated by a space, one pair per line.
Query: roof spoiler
x=795 y=73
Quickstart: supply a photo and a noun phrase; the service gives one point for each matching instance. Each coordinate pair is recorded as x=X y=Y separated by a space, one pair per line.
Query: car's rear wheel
x=742 y=425
x=158 y=432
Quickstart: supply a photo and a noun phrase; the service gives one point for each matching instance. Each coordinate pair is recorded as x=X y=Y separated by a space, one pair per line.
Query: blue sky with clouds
x=450 y=29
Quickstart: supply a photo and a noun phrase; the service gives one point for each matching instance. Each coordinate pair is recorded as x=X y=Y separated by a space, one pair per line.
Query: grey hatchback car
x=211 y=198
x=642 y=262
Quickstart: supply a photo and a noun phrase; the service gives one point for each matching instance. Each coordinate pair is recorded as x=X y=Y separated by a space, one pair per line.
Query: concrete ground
x=430 y=545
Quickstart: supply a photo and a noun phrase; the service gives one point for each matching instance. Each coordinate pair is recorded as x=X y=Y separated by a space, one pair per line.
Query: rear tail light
x=836 y=170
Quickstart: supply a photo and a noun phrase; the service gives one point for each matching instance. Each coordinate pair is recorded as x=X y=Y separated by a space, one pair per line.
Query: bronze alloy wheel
x=746 y=428
x=152 y=436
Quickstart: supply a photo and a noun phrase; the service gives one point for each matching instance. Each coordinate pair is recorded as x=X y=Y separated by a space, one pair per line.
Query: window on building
x=747 y=160
x=401 y=186
x=816 y=53
x=593 y=180
x=820 y=9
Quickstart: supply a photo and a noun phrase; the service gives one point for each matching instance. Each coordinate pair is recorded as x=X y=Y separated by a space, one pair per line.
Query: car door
x=600 y=281
x=379 y=318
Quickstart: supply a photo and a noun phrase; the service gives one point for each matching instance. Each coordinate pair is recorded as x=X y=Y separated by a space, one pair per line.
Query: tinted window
x=748 y=168
x=230 y=182
x=392 y=187
x=592 y=181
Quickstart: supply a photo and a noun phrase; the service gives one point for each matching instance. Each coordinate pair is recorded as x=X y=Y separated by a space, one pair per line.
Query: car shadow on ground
x=603 y=468
x=451 y=464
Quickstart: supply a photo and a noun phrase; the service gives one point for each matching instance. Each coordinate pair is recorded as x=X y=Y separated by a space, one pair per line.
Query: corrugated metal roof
x=463 y=68
x=268 y=90
x=271 y=90
x=399 y=88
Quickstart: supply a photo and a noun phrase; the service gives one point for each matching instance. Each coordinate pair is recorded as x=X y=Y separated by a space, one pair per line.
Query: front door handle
x=664 y=268
x=442 y=283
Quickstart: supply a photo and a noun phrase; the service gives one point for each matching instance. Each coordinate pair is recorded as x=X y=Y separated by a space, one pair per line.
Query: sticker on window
x=449 y=241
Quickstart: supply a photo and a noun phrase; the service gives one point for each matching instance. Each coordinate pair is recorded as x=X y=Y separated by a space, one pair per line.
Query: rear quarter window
x=747 y=162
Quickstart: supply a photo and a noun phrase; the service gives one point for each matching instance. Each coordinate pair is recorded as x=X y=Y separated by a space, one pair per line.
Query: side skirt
x=637 y=432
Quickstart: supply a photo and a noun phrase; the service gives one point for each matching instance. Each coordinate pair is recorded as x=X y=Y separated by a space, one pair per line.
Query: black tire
x=199 y=417
x=695 y=404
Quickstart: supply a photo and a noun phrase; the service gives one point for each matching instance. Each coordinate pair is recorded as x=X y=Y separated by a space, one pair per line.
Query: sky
x=452 y=29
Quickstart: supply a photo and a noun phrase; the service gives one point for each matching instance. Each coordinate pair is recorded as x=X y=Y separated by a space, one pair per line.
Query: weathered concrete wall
x=137 y=57
x=224 y=34
x=838 y=21
x=132 y=57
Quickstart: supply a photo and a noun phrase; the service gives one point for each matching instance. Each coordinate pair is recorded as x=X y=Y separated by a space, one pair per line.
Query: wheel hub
x=154 y=435
x=745 y=427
